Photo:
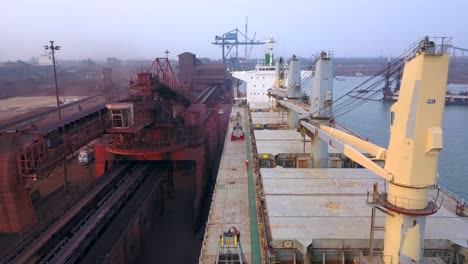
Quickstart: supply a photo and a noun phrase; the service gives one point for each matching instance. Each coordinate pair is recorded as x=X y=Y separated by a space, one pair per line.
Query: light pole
x=65 y=173
x=53 y=49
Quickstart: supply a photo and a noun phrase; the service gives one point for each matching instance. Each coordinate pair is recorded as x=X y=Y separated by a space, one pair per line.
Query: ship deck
x=233 y=198
x=263 y=118
x=276 y=142
x=300 y=200
x=314 y=209
x=326 y=208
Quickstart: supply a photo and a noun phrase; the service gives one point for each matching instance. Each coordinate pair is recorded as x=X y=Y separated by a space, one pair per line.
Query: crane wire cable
x=350 y=98
x=369 y=95
x=341 y=103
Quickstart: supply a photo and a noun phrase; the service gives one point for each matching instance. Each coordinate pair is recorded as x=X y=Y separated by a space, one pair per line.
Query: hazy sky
x=145 y=28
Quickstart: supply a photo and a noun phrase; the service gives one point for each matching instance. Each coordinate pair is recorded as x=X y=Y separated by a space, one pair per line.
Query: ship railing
x=379 y=259
x=457 y=197
x=455 y=202
x=344 y=255
x=380 y=196
x=326 y=54
x=428 y=45
x=181 y=135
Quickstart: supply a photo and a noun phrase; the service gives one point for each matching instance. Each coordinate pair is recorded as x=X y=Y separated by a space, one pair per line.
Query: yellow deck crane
x=411 y=161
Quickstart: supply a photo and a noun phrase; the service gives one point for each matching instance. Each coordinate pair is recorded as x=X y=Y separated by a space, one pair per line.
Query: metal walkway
x=233 y=202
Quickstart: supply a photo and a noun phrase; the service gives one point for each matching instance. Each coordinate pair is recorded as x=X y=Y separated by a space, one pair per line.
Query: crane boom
x=251 y=47
x=377 y=151
x=333 y=140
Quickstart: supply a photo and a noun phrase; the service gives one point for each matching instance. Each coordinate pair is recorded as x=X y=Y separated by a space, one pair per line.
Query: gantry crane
x=230 y=40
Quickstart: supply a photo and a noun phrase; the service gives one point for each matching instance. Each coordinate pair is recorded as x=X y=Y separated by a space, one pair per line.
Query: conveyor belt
x=37 y=116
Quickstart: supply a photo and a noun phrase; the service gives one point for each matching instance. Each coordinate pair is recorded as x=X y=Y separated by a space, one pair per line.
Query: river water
x=372 y=120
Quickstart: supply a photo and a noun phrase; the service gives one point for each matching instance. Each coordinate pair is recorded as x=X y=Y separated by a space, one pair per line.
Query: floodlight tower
x=65 y=173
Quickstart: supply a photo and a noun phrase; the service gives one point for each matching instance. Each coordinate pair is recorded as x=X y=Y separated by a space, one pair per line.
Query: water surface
x=372 y=120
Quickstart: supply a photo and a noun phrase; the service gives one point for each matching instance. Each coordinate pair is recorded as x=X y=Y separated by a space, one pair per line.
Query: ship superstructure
x=259 y=80
x=273 y=74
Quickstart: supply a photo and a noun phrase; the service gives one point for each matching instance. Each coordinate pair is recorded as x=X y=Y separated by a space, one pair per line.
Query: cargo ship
x=276 y=183
x=279 y=197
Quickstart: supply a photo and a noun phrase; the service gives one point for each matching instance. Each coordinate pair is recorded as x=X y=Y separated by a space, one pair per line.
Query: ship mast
x=321 y=106
x=269 y=59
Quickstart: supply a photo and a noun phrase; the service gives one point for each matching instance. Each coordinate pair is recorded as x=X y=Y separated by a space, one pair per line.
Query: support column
x=407 y=238
x=318 y=152
x=294 y=78
x=293 y=119
x=103 y=160
x=414 y=147
x=322 y=93
x=321 y=106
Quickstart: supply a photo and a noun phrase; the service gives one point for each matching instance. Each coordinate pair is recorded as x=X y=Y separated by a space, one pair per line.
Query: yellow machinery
x=411 y=161
x=229 y=248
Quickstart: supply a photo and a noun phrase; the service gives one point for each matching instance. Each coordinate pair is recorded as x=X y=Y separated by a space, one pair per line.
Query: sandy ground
x=17 y=107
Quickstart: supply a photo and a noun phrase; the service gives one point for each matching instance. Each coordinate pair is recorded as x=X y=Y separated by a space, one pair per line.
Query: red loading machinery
x=30 y=155
x=161 y=120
